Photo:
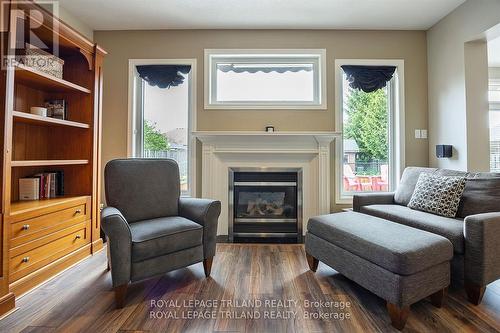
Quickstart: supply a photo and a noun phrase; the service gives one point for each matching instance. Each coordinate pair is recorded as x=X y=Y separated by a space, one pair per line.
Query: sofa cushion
x=152 y=238
x=451 y=228
x=393 y=246
x=481 y=194
x=437 y=194
x=406 y=186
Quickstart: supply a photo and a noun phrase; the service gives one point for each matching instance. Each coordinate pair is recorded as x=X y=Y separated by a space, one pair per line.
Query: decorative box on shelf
x=42 y=61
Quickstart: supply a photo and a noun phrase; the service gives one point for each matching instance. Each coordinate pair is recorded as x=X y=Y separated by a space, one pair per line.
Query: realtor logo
x=29 y=35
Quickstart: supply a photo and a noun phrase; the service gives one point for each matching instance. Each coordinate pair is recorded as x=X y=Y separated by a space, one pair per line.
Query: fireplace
x=265 y=203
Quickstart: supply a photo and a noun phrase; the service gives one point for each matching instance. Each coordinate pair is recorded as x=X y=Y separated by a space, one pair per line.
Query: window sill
x=290 y=107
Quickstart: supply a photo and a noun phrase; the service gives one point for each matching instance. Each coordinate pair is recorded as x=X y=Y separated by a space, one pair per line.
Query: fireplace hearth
x=264 y=204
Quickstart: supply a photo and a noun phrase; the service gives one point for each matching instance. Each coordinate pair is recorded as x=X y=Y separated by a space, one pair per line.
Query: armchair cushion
x=156 y=237
x=143 y=188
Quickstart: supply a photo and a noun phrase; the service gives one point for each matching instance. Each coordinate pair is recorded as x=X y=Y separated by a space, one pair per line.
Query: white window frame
x=317 y=56
x=494 y=105
x=135 y=120
x=397 y=122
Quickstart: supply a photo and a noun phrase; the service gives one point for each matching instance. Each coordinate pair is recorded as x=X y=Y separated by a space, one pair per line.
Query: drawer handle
x=26 y=259
x=26 y=226
x=78 y=211
x=78 y=237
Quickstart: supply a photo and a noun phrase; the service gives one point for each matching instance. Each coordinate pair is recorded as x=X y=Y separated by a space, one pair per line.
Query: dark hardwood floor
x=81 y=300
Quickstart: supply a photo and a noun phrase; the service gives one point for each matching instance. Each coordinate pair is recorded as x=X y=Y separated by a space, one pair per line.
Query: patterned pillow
x=437 y=194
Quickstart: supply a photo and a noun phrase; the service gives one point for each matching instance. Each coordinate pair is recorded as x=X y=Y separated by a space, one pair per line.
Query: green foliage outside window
x=153 y=139
x=367 y=124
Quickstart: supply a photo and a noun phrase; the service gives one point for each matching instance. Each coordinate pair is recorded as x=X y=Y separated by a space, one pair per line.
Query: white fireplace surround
x=308 y=151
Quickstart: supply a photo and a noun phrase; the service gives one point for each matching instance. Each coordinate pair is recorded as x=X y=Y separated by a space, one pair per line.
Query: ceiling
x=260 y=14
x=494 y=53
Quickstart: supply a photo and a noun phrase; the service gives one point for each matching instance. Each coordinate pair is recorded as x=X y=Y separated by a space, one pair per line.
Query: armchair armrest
x=206 y=213
x=365 y=199
x=482 y=248
x=117 y=230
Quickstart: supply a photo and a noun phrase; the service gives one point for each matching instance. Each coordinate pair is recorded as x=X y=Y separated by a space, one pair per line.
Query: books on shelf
x=47 y=184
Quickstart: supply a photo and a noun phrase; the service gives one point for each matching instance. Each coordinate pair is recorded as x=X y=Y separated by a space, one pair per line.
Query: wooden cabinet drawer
x=30 y=229
x=36 y=254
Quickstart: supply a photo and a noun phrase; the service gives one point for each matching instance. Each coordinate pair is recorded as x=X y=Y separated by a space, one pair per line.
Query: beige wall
x=457 y=80
x=124 y=45
x=71 y=20
x=75 y=23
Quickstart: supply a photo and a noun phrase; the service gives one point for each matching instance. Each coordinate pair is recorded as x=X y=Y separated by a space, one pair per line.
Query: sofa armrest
x=206 y=213
x=365 y=199
x=482 y=248
x=117 y=230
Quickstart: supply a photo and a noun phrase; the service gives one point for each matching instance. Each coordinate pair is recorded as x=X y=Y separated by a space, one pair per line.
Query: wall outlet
x=418 y=134
x=423 y=134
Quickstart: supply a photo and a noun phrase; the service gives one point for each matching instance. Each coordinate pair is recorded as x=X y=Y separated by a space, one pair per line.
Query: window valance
x=368 y=78
x=163 y=76
x=265 y=68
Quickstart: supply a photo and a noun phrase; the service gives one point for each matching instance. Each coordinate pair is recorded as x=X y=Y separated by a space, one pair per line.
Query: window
x=162 y=99
x=265 y=79
x=494 y=99
x=370 y=154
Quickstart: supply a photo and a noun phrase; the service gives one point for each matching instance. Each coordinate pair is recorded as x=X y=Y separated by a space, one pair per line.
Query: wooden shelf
x=47 y=163
x=32 y=77
x=29 y=118
x=21 y=207
x=34 y=144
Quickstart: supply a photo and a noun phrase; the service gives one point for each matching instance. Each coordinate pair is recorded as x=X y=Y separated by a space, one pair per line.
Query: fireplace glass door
x=265 y=202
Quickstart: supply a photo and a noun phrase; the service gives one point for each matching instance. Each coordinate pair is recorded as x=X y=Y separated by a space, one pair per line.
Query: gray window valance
x=163 y=76
x=264 y=68
x=368 y=78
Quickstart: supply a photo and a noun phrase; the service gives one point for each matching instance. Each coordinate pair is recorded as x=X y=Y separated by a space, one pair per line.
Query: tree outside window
x=366 y=122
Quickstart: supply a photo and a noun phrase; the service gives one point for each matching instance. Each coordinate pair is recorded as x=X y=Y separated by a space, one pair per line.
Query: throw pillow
x=436 y=194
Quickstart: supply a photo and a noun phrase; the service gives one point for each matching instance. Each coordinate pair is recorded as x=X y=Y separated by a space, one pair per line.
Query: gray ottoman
x=398 y=263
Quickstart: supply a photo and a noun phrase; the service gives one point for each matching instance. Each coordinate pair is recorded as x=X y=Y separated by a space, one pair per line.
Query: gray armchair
x=150 y=229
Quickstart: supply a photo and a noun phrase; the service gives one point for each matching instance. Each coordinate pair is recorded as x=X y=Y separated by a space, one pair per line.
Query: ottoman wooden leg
x=475 y=293
x=437 y=298
x=398 y=315
x=312 y=262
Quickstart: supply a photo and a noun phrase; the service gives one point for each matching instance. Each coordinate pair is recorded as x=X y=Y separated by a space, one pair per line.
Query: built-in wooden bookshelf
x=24 y=207
x=24 y=117
x=35 y=78
x=57 y=232
x=47 y=163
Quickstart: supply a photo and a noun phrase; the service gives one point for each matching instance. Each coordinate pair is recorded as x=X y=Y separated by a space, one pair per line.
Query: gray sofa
x=150 y=228
x=474 y=233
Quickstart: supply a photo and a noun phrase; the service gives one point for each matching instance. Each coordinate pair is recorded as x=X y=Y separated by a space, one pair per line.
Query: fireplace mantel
x=309 y=151
x=244 y=135
x=262 y=142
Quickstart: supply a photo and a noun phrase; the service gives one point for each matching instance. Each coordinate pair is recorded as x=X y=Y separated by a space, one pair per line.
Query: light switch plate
x=423 y=134
x=418 y=134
